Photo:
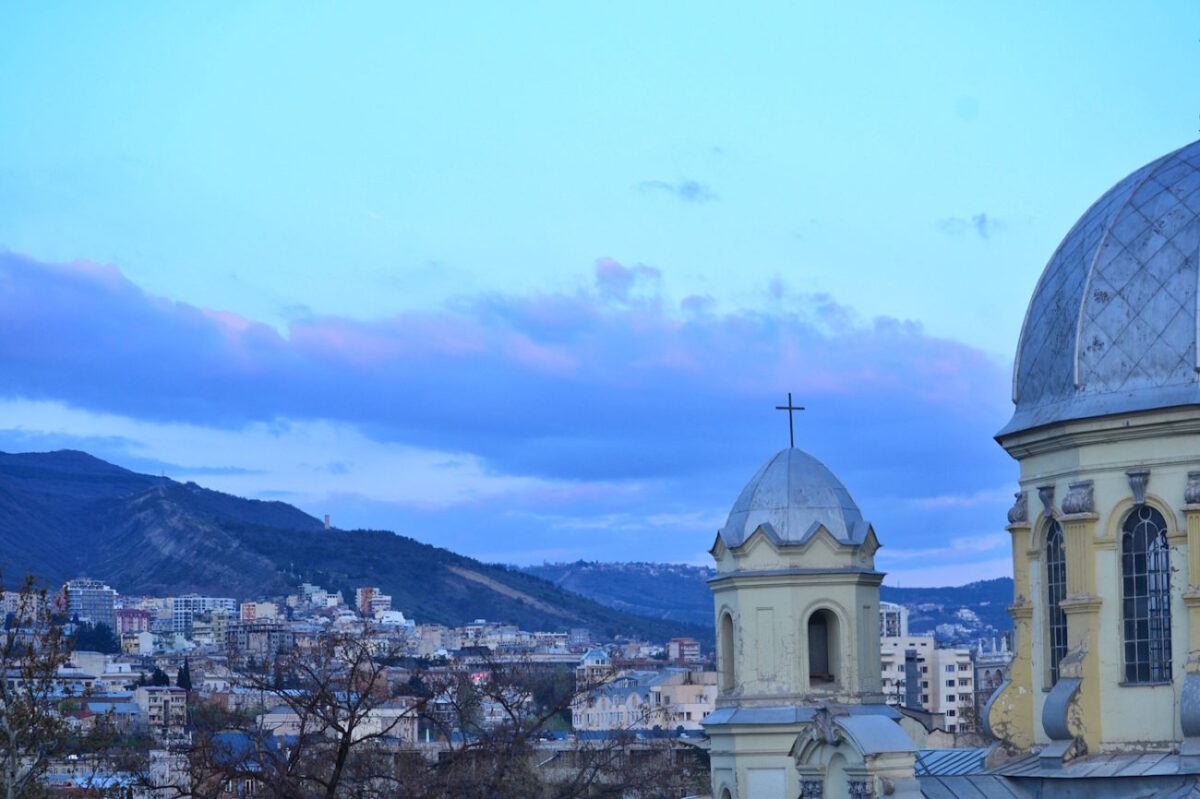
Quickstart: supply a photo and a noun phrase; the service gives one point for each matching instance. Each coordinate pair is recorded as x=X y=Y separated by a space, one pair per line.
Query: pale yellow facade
x=1109 y=712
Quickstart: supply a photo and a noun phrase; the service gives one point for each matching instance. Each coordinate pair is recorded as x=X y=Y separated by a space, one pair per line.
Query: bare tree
x=328 y=728
x=32 y=648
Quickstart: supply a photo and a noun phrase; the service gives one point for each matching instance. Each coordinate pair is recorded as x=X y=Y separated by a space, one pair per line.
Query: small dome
x=1112 y=326
x=791 y=496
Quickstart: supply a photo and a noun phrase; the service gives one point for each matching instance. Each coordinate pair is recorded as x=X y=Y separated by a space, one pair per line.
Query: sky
x=528 y=281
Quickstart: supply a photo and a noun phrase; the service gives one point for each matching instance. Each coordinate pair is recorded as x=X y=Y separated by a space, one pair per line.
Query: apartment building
x=941 y=681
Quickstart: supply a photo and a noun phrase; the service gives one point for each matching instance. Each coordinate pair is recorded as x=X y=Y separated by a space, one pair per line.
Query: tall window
x=726 y=664
x=1056 y=592
x=1146 y=596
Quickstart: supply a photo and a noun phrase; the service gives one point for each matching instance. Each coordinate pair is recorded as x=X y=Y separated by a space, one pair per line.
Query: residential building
x=255 y=611
x=684 y=650
x=165 y=710
x=893 y=620
x=918 y=674
x=92 y=601
x=184 y=609
x=666 y=700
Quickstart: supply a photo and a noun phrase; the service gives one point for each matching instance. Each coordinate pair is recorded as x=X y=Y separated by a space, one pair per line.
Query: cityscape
x=599 y=401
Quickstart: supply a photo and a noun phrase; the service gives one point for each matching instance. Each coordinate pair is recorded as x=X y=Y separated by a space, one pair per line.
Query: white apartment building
x=893 y=620
x=184 y=609
x=920 y=675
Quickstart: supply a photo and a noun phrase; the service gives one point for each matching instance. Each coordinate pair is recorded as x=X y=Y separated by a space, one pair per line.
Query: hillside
x=674 y=591
x=67 y=514
x=668 y=591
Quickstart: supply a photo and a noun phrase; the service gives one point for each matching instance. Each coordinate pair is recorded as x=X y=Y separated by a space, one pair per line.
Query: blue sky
x=527 y=281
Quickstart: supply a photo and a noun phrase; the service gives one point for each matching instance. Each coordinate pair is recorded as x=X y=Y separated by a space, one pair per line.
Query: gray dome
x=1112 y=326
x=790 y=496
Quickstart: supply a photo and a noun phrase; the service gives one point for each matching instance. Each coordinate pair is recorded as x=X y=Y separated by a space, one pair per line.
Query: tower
x=800 y=711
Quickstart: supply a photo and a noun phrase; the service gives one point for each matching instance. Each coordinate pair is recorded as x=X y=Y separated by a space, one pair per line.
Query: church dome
x=790 y=497
x=1112 y=326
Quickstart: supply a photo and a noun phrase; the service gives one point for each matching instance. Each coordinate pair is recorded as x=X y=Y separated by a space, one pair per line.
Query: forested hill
x=67 y=514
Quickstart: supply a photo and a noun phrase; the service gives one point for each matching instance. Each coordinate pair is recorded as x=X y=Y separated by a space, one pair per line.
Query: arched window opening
x=728 y=675
x=1056 y=592
x=1146 y=596
x=822 y=648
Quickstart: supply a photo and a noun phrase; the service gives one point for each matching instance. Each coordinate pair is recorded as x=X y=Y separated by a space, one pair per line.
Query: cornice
x=1103 y=430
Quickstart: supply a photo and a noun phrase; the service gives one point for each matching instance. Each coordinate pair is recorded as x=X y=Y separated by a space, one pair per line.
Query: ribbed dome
x=1112 y=326
x=792 y=495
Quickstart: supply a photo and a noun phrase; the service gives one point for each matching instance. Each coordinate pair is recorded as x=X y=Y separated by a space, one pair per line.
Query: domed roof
x=1112 y=326
x=791 y=496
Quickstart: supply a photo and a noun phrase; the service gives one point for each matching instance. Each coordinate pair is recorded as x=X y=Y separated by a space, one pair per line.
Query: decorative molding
x=1079 y=498
x=1046 y=495
x=1019 y=512
x=862 y=789
x=1191 y=494
x=1137 y=484
x=823 y=730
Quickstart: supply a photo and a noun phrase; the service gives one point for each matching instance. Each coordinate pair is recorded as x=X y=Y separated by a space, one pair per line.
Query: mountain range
x=676 y=592
x=68 y=514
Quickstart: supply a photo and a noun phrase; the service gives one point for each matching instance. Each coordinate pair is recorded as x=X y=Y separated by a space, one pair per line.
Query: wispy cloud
x=602 y=406
x=685 y=189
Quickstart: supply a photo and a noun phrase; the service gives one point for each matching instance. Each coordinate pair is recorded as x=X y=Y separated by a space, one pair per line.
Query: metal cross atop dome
x=791 y=427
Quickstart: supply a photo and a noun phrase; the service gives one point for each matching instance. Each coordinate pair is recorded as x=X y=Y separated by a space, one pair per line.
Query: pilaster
x=1082 y=608
x=1191 y=597
x=1009 y=713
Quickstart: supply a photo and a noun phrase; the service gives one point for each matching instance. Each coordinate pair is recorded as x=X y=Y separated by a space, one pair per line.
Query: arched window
x=1056 y=592
x=1146 y=596
x=728 y=674
x=823 y=649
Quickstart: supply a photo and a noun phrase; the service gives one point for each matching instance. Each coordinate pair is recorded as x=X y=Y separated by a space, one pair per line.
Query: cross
x=789 y=408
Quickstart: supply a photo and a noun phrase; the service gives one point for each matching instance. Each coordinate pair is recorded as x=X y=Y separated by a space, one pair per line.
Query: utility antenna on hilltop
x=791 y=426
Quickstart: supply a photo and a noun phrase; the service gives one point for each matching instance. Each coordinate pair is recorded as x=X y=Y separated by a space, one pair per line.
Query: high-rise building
x=92 y=601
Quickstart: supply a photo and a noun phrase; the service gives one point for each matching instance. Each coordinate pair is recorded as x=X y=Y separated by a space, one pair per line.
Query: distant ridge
x=67 y=514
x=680 y=592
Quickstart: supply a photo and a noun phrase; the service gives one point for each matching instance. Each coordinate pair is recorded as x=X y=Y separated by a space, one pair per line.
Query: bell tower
x=796 y=601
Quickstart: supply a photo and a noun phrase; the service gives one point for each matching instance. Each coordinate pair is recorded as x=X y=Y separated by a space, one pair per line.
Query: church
x=1103 y=697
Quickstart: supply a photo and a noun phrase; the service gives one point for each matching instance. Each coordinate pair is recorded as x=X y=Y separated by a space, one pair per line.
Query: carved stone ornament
x=1191 y=494
x=1019 y=512
x=811 y=789
x=823 y=730
x=1079 y=498
x=1137 y=484
x=1046 y=495
x=862 y=789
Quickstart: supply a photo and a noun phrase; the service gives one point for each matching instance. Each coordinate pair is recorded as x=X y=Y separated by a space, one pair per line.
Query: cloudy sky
x=528 y=281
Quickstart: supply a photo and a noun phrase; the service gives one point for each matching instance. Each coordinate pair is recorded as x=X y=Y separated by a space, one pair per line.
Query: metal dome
x=790 y=497
x=1112 y=326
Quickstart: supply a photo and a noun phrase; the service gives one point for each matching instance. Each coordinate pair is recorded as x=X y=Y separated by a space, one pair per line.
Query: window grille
x=1146 y=596
x=1056 y=592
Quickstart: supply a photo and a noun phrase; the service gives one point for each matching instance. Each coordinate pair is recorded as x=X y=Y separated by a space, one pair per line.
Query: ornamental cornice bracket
x=1046 y=495
x=1080 y=498
x=1138 y=478
x=1018 y=514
